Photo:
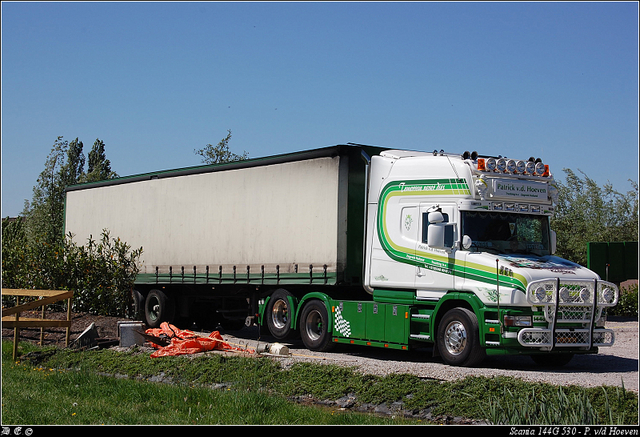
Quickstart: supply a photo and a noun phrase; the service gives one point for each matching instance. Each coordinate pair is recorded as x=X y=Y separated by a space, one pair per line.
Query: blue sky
x=155 y=81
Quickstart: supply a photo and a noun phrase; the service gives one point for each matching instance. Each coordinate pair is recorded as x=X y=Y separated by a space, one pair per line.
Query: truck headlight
x=521 y=321
x=585 y=295
x=565 y=294
x=608 y=295
x=540 y=293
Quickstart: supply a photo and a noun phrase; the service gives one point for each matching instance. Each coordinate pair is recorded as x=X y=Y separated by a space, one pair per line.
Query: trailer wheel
x=138 y=304
x=458 y=338
x=314 y=323
x=158 y=308
x=279 y=314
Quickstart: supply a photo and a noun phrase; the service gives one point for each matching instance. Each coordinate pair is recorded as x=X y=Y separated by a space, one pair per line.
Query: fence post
x=42 y=328
x=66 y=343
x=16 y=333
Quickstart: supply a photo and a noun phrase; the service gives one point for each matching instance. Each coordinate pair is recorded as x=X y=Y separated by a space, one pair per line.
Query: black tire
x=458 y=339
x=314 y=323
x=138 y=304
x=552 y=360
x=158 y=308
x=278 y=314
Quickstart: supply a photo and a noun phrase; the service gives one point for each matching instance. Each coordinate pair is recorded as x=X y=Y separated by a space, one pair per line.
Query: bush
x=627 y=303
x=101 y=273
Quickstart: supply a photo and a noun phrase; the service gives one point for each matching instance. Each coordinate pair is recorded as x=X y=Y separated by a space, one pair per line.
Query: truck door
x=392 y=255
x=434 y=271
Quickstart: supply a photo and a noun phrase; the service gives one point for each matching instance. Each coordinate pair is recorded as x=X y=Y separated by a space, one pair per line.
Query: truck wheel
x=278 y=314
x=138 y=304
x=314 y=322
x=458 y=338
x=158 y=308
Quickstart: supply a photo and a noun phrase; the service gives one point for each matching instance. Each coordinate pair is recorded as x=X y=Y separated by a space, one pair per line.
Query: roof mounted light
x=531 y=167
x=546 y=171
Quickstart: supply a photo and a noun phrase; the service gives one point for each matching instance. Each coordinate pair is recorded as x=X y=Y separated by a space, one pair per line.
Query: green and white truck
x=359 y=245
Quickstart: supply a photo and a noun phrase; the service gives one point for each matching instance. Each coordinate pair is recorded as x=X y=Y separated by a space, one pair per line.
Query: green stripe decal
x=434 y=262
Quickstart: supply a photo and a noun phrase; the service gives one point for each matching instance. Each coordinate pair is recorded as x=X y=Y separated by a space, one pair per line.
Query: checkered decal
x=342 y=325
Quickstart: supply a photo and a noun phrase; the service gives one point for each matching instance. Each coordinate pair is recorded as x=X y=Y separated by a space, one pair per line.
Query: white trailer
x=215 y=233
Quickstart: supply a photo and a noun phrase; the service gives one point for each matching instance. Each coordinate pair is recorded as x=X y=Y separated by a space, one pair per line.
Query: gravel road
x=612 y=366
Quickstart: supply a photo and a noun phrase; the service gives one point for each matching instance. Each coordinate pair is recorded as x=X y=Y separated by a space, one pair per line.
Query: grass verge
x=64 y=389
x=54 y=386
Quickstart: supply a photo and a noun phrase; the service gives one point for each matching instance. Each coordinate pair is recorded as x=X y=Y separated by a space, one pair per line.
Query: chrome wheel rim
x=455 y=338
x=280 y=314
x=313 y=325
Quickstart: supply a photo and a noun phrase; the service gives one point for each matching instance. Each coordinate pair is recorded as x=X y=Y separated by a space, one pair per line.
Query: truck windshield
x=507 y=233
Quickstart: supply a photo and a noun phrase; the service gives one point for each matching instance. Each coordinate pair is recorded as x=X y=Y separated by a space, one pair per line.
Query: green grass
x=38 y=394
x=70 y=387
x=45 y=396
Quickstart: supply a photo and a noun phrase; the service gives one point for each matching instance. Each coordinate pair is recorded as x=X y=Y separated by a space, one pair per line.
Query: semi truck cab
x=466 y=239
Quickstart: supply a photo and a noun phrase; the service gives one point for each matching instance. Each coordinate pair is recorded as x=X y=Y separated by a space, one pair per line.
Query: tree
x=37 y=255
x=220 y=154
x=73 y=170
x=99 y=166
x=44 y=215
x=586 y=213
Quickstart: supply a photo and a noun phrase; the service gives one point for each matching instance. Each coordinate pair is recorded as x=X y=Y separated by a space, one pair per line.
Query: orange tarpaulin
x=185 y=342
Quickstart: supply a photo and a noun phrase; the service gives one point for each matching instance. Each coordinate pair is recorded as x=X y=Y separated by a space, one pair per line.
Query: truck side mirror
x=553 y=242
x=466 y=242
x=440 y=235
x=435 y=235
x=435 y=217
x=439 y=232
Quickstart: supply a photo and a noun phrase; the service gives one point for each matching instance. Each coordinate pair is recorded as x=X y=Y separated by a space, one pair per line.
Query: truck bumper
x=544 y=339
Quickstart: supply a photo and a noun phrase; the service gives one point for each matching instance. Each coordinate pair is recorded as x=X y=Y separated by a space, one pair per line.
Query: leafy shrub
x=101 y=273
x=627 y=303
